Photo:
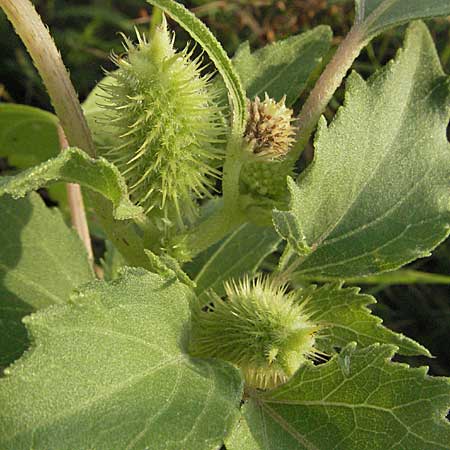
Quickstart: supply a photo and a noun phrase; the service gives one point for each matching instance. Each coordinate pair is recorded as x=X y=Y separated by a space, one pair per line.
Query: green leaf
x=288 y=226
x=284 y=67
x=110 y=371
x=41 y=263
x=379 y=15
x=241 y=252
x=212 y=47
x=346 y=318
x=112 y=262
x=377 y=194
x=357 y=401
x=401 y=276
x=75 y=166
x=24 y=127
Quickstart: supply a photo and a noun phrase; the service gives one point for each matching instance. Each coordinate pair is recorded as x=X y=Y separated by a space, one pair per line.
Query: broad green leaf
x=241 y=252
x=110 y=371
x=23 y=128
x=284 y=67
x=75 y=166
x=401 y=276
x=41 y=263
x=379 y=15
x=200 y=32
x=346 y=318
x=377 y=194
x=357 y=401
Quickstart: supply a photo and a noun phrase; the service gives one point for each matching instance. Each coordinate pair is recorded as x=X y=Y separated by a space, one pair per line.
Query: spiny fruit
x=259 y=327
x=168 y=124
x=270 y=133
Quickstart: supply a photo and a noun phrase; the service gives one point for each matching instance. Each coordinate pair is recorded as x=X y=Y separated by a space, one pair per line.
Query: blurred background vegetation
x=87 y=31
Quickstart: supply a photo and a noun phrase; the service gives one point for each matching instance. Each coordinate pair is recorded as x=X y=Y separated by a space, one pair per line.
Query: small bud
x=259 y=327
x=269 y=131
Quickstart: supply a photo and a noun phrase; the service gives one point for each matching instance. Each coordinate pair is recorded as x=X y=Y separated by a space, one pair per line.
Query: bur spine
x=259 y=327
x=169 y=127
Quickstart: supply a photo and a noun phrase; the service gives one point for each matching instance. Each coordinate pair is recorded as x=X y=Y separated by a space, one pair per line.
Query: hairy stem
x=326 y=86
x=76 y=206
x=231 y=173
x=230 y=214
x=47 y=59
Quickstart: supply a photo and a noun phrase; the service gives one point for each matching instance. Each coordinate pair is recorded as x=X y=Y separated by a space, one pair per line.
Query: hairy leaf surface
x=110 y=371
x=284 y=67
x=41 y=263
x=377 y=194
x=346 y=318
x=357 y=401
x=75 y=166
x=379 y=15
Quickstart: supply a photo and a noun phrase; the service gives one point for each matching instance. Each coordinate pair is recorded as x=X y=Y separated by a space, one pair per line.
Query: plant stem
x=326 y=86
x=76 y=206
x=230 y=214
x=231 y=173
x=47 y=59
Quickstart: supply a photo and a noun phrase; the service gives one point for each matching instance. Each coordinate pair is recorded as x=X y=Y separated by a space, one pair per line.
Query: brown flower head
x=269 y=131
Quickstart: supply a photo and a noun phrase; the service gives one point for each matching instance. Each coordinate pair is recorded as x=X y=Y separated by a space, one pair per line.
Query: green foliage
x=22 y=127
x=132 y=389
x=400 y=276
x=376 y=195
x=41 y=263
x=239 y=254
x=74 y=166
x=214 y=338
x=357 y=401
x=378 y=15
x=346 y=318
x=284 y=67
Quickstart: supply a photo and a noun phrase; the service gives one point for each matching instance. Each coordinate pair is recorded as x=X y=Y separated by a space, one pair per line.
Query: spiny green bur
x=259 y=327
x=168 y=125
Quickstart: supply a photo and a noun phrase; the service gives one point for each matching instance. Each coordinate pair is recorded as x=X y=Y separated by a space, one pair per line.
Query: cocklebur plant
x=188 y=345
